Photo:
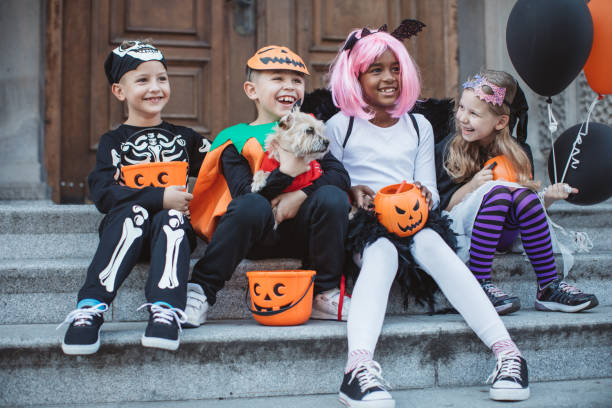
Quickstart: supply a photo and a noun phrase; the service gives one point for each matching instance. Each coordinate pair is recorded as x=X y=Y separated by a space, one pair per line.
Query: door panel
x=206 y=51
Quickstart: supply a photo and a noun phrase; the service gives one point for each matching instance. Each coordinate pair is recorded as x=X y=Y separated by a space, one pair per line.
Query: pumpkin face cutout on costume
x=401 y=208
x=275 y=57
x=158 y=174
x=502 y=168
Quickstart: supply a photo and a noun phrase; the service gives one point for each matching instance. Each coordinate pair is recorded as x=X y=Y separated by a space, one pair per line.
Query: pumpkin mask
x=502 y=168
x=275 y=57
x=401 y=208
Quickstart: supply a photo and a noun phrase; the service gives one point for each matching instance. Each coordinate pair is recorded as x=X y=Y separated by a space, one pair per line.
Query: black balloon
x=594 y=168
x=549 y=42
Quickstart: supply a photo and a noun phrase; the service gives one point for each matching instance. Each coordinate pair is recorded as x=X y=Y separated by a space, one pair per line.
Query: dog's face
x=300 y=134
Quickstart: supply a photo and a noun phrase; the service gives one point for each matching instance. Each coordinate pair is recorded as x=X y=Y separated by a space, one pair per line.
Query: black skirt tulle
x=415 y=283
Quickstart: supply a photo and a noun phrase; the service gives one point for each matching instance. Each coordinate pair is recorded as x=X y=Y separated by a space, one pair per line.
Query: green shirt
x=240 y=133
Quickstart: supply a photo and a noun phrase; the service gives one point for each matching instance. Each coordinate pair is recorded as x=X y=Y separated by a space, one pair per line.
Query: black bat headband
x=406 y=29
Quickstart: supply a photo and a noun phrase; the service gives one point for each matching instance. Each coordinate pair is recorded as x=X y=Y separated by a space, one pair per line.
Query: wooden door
x=206 y=44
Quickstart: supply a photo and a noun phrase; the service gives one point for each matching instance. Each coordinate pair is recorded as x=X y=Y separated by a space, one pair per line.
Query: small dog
x=298 y=133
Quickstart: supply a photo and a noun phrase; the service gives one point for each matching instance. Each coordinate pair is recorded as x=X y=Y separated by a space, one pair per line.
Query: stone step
x=83 y=245
x=45 y=217
x=44 y=291
x=229 y=359
x=591 y=393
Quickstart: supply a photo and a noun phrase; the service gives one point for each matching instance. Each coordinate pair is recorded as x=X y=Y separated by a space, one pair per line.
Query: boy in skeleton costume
x=145 y=221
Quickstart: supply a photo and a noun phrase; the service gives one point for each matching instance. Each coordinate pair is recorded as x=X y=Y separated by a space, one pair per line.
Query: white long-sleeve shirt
x=377 y=157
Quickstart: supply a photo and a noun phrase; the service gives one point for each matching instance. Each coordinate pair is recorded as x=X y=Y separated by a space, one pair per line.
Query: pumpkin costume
x=239 y=224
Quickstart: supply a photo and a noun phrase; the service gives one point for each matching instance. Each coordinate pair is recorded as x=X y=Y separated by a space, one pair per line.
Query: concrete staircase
x=45 y=250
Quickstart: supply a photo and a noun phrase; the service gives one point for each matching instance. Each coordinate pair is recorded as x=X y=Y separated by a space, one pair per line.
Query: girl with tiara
x=375 y=84
x=489 y=213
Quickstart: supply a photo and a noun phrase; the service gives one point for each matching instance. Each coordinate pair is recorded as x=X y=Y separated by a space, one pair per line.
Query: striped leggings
x=503 y=214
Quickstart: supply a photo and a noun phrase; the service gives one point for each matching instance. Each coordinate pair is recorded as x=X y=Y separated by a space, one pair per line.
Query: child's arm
x=558 y=191
x=238 y=175
x=425 y=164
x=478 y=180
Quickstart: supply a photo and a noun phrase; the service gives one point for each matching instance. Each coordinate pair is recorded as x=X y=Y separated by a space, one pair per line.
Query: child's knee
x=250 y=209
x=332 y=199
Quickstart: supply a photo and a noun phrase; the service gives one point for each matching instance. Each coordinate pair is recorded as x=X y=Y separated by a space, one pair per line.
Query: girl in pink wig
x=375 y=84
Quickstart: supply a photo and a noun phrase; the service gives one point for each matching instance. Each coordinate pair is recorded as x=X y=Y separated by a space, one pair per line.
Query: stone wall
x=21 y=99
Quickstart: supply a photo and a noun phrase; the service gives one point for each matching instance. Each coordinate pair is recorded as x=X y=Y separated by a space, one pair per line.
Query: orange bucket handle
x=275 y=312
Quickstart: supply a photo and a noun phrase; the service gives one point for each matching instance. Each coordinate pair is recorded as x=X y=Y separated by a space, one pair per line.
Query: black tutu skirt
x=414 y=282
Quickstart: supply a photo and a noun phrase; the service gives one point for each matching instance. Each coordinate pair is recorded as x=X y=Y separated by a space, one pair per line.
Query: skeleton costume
x=136 y=226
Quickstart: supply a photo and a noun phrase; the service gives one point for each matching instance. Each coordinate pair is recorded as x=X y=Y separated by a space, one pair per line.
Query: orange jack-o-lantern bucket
x=502 y=168
x=281 y=298
x=156 y=174
x=401 y=208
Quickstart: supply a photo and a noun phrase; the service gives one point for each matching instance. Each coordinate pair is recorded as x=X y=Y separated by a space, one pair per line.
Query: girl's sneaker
x=83 y=334
x=365 y=387
x=502 y=302
x=558 y=296
x=510 y=379
x=164 y=326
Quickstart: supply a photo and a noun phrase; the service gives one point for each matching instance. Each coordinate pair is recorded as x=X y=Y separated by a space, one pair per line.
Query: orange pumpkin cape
x=211 y=195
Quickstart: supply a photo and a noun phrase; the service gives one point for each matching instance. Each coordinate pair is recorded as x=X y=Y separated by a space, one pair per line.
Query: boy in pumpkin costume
x=144 y=214
x=311 y=221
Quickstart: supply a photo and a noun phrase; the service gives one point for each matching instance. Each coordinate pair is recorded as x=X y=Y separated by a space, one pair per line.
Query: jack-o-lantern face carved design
x=270 y=296
x=402 y=213
x=160 y=174
x=275 y=57
x=502 y=168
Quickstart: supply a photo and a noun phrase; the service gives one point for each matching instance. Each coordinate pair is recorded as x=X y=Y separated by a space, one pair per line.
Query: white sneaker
x=197 y=306
x=326 y=304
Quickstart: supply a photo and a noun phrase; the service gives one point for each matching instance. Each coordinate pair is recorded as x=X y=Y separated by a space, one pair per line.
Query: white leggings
x=434 y=256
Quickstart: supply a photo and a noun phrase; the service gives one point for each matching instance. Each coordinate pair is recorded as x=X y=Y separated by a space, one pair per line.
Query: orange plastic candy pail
x=156 y=174
x=281 y=298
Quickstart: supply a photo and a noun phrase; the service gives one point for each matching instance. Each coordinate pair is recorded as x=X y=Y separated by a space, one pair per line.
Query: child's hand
x=286 y=205
x=362 y=196
x=480 y=178
x=175 y=198
x=426 y=193
x=558 y=191
x=292 y=165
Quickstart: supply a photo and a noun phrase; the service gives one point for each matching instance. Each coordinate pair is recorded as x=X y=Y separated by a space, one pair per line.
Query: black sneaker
x=365 y=387
x=558 y=296
x=164 y=326
x=510 y=379
x=502 y=302
x=83 y=334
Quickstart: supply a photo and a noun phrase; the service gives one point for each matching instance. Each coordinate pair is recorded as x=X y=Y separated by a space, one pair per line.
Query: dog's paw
x=259 y=180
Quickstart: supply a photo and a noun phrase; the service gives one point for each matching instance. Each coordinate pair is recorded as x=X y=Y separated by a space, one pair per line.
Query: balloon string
x=583 y=131
x=552 y=127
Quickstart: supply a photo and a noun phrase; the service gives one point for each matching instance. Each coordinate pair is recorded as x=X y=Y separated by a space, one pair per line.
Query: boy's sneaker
x=365 y=387
x=197 y=306
x=558 y=296
x=502 y=302
x=164 y=326
x=83 y=334
x=326 y=304
x=510 y=379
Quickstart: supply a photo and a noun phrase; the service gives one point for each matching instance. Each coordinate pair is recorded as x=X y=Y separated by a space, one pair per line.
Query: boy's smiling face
x=274 y=92
x=146 y=90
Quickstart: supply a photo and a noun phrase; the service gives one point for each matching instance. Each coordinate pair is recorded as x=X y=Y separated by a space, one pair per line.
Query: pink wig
x=348 y=66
